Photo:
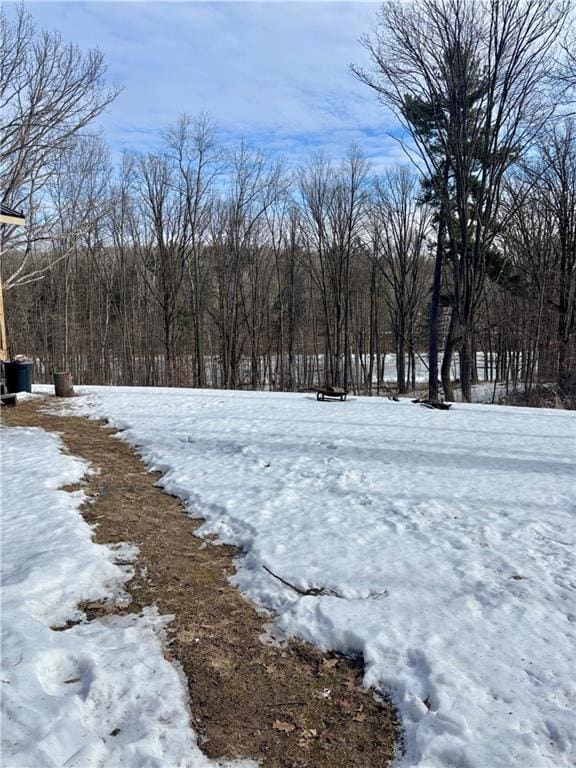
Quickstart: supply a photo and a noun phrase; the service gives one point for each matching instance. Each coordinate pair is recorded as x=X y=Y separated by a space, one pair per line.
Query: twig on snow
x=314 y=591
x=322 y=591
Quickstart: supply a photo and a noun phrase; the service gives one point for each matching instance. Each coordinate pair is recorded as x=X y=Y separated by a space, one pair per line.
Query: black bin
x=18 y=376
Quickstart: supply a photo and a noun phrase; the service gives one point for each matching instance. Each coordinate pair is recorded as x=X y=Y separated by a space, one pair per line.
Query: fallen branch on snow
x=320 y=591
x=314 y=591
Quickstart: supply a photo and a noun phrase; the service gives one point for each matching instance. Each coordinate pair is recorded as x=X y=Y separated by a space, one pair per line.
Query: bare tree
x=333 y=213
x=254 y=185
x=163 y=243
x=557 y=181
x=403 y=226
x=479 y=71
x=199 y=160
x=49 y=92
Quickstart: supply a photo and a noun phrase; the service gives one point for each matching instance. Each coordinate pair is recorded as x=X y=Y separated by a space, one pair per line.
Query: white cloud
x=276 y=72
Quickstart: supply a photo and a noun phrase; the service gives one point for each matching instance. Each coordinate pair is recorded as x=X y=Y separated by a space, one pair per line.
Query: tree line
x=209 y=264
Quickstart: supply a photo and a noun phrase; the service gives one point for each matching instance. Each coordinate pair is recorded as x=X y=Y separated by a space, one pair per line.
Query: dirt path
x=248 y=698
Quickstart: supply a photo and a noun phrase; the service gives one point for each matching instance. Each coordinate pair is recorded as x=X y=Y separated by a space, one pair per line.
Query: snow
x=449 y=537
x=97 y=695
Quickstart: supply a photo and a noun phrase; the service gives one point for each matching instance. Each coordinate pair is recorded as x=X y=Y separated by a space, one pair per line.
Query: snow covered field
x=98 y=694
x=448 y=536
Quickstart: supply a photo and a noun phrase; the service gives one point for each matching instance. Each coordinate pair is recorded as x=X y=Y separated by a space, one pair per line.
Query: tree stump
x=63 y=384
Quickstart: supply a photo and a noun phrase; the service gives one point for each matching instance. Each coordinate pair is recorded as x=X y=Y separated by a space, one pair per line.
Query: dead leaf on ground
x=280 y=725
x=306 y=736
x=168 y=656
x=186 y=636
x=359 y=717
x=328 y=736
x=344 y=703
x=351 y=682
x=331 y=663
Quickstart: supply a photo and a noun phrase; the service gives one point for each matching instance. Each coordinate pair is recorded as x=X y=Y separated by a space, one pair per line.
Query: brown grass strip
x=248 y=699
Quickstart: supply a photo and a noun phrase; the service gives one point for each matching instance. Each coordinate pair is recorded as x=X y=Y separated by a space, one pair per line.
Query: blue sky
x=274 y=72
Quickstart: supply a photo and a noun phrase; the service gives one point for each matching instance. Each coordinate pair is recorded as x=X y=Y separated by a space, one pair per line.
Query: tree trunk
x=447 y=359
x=435 y=302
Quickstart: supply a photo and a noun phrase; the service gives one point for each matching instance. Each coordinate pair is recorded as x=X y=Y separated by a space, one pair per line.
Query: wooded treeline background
x=206 y=264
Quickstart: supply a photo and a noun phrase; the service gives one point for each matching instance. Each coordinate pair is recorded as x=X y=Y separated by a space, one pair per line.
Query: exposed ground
x=287 y=706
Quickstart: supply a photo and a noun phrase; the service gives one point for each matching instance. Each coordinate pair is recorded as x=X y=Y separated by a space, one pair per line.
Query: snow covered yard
x=100 y=693
x=448 y=536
